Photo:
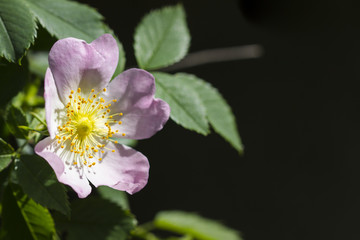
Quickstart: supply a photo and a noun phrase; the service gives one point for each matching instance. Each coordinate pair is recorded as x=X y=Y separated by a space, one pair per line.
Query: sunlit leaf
x=6 y=154
x=162 y=38
x=17 y=29
x=64 y=18
x=14 y=118
x=22 y=218
x=116 y=196
x=194 y=225
x=218 y=112
x=39 y=181
x=187 y=108
x=96 y=219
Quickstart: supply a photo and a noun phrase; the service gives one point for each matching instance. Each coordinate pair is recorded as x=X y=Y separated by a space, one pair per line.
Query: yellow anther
x=94 y=96
x=100 y=159
x=75 y=163
x=92 y=90
x=114 y=100
x=95 y=150
x=59 y=141
x=119 y=122
x=123 y=134
x=70 y=96
x=104 y=89
x=116 y=142
x=93 y=163
x=62 y=146
x=113 y=150
x=108 y=110
x=102 y=151
x=72 y=91
x=117 y=131
x=120 y=114
x=79 y=90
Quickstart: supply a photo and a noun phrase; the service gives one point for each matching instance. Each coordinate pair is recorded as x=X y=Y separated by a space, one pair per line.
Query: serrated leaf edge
x=205 y=133
x=181 y=56
x=32 y=41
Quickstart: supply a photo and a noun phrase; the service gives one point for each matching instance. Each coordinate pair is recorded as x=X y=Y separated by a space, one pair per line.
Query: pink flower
x=85 y=113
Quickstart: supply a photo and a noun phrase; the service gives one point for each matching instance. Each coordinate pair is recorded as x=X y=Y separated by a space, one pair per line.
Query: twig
x=217 y=55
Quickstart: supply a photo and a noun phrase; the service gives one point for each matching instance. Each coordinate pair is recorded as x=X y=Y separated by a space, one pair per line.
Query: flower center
x=84 y=127
x=87 y=128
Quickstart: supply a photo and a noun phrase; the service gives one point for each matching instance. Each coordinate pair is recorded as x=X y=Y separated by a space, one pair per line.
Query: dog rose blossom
x=86 y=113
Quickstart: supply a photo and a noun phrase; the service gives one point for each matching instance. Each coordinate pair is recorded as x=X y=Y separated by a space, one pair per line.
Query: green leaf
x=67 y=18
x=23 y=218
x=115 y=196
x=39 y=181
x=218 y=111
x=17 y=29
x=185 y=104
x=194 y=225
x=96 y=219
x=6 y=154
x=15 y=117
x=162 y=38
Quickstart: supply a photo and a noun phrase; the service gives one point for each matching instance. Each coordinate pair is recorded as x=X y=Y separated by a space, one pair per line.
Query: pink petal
x=74 y=64
x=46 y=149
x=106 y=45
x=126 y=169
x=143 y=115
x=52 y=104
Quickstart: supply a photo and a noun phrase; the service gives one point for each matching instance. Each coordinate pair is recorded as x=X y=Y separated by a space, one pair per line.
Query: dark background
x=297 y=110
